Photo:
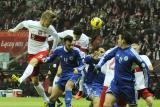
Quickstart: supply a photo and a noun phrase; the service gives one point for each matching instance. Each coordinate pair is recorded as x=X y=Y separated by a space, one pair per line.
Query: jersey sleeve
x=138 y=60
x=62 y=34
x=87 y=59
x=85 y=44
x=53 y=56
x=107 y=56
x=22 y=25
x=146 y=60
x=80 y=62
x=54 y=37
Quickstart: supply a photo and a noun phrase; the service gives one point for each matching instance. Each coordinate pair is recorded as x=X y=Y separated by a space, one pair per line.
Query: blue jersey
x=124 y=59
x=68 y=59
x=90 y=74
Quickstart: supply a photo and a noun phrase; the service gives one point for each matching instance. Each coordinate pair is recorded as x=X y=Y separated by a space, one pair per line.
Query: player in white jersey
x=39 y=32
x=140 y=81
x=81 y=41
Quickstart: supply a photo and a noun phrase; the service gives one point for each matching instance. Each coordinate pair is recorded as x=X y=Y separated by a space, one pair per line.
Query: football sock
x=41 y=92
x=68 y=98
x=28 y=71
x=103 y=94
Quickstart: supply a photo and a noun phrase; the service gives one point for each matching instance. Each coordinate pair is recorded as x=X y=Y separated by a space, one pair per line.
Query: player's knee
x=149 y=101
x=35 y=81
x=58 y=74
x=69 y=85
x=33 y=62
x=53 y=98
x=96 y=103
x=107 y=104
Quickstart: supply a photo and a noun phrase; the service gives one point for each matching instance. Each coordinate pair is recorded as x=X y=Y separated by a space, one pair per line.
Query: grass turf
x=37 y=102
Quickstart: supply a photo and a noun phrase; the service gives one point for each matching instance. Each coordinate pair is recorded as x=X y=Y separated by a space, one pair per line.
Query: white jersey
x=82 y=43
x=108 y=70
x=38 y=36
x=139 y=76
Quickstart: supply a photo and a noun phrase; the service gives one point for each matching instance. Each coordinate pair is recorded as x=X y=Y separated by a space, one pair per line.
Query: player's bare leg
x=96 y=102
x=149 y=101
x=56 y=92
x=109 y=100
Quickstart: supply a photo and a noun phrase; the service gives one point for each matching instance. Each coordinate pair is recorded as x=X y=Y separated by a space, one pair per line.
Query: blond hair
x=48 y=14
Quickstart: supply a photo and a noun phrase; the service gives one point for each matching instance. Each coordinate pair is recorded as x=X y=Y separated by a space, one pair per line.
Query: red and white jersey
x=139 y=76
x=38 y=36
x=82 y=43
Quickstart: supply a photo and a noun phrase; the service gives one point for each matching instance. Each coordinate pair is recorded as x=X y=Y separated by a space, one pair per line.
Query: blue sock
x=68 y=98
x=115 y=105
x=51 y=104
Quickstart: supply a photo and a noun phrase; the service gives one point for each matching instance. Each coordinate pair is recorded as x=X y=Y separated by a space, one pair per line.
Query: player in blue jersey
x=90 y=89
x=71 y=64
x=123 y=84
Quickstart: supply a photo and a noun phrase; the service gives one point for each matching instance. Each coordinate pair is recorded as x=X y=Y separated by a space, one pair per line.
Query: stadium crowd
x=142 y=16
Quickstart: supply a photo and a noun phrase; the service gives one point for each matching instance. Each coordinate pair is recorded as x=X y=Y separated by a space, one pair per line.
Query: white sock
x=41 y=92
x=56 y=78
x=28 y=71
x=81 y=82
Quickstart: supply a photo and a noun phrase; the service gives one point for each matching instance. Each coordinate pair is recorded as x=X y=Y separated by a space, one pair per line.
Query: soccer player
x=71 y=64
x=108 y=70
x=93 y=82
x=39 y=31
x=124 y=80
x=140 y=80
x=81 y=42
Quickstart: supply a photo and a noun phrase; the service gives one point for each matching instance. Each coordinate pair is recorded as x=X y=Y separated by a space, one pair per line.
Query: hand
x=44 y=60
x=11 y=30
x=75 y=71
x=97 y=68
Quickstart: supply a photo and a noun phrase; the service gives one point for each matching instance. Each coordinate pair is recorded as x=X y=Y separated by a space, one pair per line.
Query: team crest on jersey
x=126 y=58
x=71 y=58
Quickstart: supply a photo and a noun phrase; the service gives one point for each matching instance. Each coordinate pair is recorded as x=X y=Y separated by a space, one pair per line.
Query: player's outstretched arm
x=18 y=27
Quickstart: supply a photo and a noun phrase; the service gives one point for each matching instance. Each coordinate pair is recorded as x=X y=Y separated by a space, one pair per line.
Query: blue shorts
x=96 y=89
x=64 y=78
x=87 y=88
x=125 y=91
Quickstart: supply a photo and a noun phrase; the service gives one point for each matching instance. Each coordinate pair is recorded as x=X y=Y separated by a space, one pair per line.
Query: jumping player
x=39 y=32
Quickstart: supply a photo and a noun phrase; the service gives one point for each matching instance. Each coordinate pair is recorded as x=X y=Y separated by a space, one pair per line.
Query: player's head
x=77 y=31
x=68 y=42
x=99 y=51
x=47 y=18
x=125 y=38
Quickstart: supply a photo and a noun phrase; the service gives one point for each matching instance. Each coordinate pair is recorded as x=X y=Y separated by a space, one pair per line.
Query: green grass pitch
x=37 y=102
